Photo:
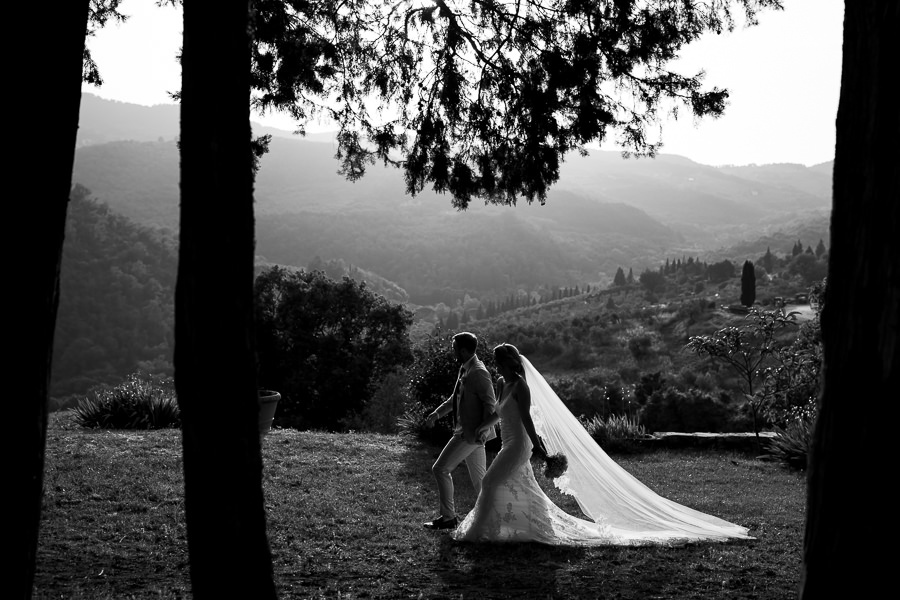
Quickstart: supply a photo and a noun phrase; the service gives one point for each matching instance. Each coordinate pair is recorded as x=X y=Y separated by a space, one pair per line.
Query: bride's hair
x=509 y=355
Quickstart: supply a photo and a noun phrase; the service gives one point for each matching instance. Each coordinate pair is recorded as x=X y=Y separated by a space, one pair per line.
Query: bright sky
x=783 y=75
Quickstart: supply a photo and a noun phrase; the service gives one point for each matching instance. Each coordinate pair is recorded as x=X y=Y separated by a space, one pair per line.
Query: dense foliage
x=116 y=307
x=748 y=348
x=325 y=345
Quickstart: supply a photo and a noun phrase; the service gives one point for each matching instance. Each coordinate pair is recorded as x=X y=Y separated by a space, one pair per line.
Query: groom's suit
x=472 y=400
x=471 y=403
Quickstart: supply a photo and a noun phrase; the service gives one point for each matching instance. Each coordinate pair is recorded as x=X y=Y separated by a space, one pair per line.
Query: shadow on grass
x=499 y=570
x=531 y=570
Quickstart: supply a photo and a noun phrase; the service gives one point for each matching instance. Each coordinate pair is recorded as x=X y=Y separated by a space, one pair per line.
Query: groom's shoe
x=442 y=523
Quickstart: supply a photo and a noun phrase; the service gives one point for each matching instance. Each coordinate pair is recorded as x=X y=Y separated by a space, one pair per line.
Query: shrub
x=640 y=346
x=648 y=384
x=672 y=410
x=582 y=397
x=411 y=424
x=790 y=446
x=324 y=344
x=141 y=402
x=615 y=433
x=575 y=357
x=629 y=374
x=382 y=410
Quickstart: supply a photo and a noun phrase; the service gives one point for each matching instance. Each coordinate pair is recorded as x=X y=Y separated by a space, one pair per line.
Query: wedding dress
x=621 y=510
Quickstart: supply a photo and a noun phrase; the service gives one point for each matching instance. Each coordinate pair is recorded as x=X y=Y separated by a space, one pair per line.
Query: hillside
x=117 y=292
x=421 y=243
x=606 y=212
x=116 y=300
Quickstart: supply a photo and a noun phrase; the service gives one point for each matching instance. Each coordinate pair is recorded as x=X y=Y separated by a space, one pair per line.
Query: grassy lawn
x=345 y=515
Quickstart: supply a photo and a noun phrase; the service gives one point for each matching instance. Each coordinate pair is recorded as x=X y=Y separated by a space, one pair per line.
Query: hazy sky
x=783 y=75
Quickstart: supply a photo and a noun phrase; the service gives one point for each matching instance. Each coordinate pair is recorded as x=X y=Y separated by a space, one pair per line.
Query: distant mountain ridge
x=605 y=211
x=101 y=121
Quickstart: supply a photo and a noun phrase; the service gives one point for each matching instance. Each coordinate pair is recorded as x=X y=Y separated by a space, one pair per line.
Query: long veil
x=606 y=492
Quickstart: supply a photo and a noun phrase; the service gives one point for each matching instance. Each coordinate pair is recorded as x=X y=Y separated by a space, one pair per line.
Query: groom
x=471 y=403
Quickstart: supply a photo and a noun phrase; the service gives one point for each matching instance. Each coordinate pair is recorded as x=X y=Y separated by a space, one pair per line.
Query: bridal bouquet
x=555 y=465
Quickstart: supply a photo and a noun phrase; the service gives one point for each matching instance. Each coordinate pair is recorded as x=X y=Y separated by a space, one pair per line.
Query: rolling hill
x=605 y=211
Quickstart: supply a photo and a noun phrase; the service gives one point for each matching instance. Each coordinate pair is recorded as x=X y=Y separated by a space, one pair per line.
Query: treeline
x=684 y=276
x=475 y=310
x=435 y=259
x=805 y=267
x=116 y=307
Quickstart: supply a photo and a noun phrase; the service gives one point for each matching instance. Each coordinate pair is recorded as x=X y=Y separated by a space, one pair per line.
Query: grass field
x=345 y=513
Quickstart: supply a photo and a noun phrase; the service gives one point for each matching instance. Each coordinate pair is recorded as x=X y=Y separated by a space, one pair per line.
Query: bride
x=513 y=508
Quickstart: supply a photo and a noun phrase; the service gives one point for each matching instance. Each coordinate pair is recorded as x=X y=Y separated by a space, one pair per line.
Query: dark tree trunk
x=849 y=509
x=51 y=78
x=215 y=363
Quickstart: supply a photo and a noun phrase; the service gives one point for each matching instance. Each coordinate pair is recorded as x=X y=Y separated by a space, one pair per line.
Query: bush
x=324 y=345
x=385 y=406
x=672 y=410
x=583 y=398
x=411 y=424
x=640 y=346
x=790 y=446
x=141 y=402
x=615 y=433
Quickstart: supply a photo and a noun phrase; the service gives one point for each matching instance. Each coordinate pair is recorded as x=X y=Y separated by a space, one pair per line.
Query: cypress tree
x=748 y=284
x=768 y=260
x=820 y=249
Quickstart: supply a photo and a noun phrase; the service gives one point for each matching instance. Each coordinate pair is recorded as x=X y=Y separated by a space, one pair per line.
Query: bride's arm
x=523 y=399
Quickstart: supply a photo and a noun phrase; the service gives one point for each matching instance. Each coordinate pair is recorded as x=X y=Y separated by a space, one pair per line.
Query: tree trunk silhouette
x=851 y=466
x=51 y=77
x=215 y=363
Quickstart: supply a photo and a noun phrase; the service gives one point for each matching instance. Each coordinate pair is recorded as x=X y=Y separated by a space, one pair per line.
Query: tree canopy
x=483 y=98
x=324 y=344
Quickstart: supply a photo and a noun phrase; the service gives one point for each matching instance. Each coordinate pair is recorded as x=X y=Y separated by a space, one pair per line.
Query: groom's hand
x=431 y=419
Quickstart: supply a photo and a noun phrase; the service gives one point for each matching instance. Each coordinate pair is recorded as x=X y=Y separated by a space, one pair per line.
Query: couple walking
x=511 y=506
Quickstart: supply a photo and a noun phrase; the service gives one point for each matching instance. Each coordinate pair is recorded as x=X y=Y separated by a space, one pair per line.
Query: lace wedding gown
x=512 y=507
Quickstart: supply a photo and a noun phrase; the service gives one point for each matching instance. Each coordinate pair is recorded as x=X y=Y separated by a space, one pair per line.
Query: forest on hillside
x=604 y=213
x=117 y=298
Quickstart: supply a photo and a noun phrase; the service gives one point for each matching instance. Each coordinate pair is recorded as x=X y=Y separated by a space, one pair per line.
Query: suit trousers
x=457 y=450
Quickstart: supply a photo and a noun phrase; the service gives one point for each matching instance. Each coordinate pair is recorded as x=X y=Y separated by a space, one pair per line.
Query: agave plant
x=140 y=402
x=615 y=433
x=790 y=444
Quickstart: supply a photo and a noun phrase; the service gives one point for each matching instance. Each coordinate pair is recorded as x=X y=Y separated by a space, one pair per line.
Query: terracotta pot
x=268 y=402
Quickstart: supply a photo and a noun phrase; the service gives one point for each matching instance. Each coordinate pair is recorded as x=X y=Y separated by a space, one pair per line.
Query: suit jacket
x=471 y=402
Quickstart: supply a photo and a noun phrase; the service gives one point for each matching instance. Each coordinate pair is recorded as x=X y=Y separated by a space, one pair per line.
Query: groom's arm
x=484 y=390
x=445 y=408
